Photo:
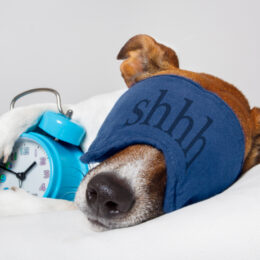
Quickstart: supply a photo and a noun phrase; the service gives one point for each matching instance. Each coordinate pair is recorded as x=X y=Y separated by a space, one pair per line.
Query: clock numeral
x=8 y=165
x=35 y=153
x=2 y=178
x=14 y=156
x=25 y=150
x=46 y=174
x=42 y=187
x=42 y=161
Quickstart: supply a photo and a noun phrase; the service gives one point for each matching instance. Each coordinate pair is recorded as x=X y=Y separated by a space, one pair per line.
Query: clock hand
x=8 y=170
x=22 y=175
x=17 y=174
x=30 y=167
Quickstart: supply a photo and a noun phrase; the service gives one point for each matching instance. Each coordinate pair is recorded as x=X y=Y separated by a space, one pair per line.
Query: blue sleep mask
x=199 y=135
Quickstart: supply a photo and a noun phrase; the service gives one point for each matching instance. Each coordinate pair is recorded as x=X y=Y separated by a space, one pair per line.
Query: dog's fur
x=143 y=57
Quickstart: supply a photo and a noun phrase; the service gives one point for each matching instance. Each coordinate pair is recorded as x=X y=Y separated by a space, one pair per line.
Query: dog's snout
x=108 y=196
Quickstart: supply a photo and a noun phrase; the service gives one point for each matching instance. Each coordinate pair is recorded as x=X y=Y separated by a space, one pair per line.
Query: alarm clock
x=45 y=160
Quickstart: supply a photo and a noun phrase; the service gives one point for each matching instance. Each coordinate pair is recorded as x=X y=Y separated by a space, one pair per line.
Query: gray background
x=72 y=45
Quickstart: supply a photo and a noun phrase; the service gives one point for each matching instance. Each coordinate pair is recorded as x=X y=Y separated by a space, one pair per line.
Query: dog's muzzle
x=108 y=196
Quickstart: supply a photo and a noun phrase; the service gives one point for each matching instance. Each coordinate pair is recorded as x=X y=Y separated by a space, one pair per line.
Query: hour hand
x=22 y=175
x=8 y=170
x=15 y=173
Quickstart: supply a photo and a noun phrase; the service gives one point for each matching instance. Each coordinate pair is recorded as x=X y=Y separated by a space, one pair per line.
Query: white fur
x=131 y=171
x=90 y=113
x=16 y=201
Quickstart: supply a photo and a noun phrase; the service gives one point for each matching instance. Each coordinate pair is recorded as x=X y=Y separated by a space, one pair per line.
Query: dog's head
x=128 y=188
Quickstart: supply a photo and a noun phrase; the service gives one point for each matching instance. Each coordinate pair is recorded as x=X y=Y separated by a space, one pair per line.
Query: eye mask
x=199 y=135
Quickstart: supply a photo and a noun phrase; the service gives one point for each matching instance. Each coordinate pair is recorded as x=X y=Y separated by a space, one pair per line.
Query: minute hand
x=30 y=167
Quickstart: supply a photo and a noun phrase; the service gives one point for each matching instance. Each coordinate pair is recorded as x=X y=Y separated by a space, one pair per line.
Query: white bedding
x=226 y=226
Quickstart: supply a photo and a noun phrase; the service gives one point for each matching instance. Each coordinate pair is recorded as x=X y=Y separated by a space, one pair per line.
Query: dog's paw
x=16 y=201
x=11 y=201
x=7 y=141
x=10 y=130
x=17 y=121
x=12 y=125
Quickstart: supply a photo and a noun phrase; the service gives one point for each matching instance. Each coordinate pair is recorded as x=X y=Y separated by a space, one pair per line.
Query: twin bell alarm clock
x=45 y=160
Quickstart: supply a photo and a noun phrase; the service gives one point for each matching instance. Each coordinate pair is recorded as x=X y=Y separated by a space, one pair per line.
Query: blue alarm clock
x=45 y=160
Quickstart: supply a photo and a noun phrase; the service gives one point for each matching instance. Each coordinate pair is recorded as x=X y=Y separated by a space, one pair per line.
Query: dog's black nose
x=109 y=196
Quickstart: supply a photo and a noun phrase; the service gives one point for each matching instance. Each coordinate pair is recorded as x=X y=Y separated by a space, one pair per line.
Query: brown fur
x=144 y=57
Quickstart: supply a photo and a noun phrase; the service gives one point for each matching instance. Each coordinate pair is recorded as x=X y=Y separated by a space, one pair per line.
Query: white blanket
x=226 y=226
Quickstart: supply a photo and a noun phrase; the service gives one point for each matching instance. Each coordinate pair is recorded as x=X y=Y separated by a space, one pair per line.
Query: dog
x=135 y=175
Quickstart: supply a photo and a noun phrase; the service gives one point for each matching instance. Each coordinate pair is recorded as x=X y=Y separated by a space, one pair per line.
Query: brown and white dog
x=133 y=180
x=128 y=188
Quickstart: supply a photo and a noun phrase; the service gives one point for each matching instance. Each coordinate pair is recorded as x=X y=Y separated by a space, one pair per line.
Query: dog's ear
x=144 y=57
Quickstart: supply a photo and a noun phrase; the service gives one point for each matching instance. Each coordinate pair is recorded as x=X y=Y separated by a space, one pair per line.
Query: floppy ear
x=145 y=57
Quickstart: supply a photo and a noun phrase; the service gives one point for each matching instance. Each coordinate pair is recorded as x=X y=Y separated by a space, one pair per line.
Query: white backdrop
x=72 y=45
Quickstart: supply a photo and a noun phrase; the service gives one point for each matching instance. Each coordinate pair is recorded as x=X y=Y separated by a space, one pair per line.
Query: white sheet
x=226 y=226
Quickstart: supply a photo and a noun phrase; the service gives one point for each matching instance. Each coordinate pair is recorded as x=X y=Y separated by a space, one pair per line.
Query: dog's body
x=144 y=58
x=138 y=179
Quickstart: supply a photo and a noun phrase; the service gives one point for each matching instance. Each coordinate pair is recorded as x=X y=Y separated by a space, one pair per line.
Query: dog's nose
x=109 y=196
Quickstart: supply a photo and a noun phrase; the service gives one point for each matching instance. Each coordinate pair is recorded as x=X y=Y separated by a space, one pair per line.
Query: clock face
x=28 y=167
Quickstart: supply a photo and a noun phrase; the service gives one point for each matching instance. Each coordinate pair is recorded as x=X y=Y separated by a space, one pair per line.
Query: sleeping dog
x=129 y=185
